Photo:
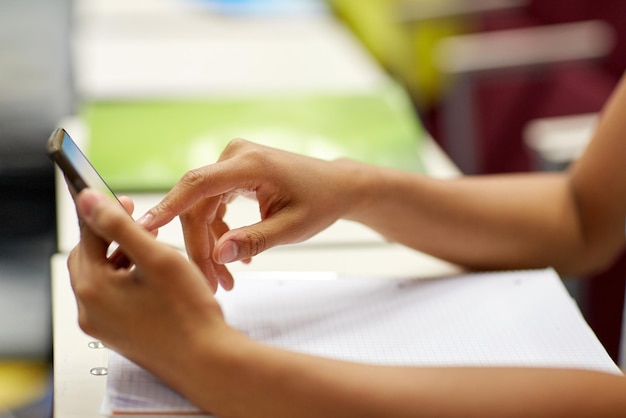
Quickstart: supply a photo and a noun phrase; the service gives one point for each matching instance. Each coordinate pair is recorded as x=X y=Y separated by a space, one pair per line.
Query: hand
x=146 y=311
x=298 y=197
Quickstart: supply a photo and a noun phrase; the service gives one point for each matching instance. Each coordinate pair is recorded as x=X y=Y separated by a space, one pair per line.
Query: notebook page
x=523 y=318
x=503 y=318
x=131 y=389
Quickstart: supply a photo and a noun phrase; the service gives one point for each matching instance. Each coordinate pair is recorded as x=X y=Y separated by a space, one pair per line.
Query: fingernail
x=145 y=219
x=226 y=283
x=228 y=253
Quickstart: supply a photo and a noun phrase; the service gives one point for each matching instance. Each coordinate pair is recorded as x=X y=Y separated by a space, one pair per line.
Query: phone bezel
x=72 y=174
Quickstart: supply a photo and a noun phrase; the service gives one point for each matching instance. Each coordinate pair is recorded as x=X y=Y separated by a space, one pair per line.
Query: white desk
x=167 y=48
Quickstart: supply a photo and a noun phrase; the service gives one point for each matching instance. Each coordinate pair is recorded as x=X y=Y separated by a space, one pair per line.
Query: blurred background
x=36 y=90
x=501 y=85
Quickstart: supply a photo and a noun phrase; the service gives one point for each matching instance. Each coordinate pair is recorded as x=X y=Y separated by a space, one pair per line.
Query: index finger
x=197 y=184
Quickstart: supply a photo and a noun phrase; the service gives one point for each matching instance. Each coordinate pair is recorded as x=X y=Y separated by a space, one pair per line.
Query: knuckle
x=85 y=324
x=256 y=242
x=86 y=292
x=257 y=155
x=166 y=261
x=193 y=179
x=203 y=259
x=192 y=186
x=165 y=207
x=71 y=257
x=236 y=144
x=110 y=219
x=113 y=221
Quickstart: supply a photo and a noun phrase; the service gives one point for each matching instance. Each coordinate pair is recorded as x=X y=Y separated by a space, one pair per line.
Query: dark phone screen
x=84 y=168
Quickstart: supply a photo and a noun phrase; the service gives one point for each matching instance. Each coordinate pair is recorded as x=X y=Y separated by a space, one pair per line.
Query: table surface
x=160 y=48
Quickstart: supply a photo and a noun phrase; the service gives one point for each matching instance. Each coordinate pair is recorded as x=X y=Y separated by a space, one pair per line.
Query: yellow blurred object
x=374 y=23
x=22 y=382
x=427 y=78
x=406 y=48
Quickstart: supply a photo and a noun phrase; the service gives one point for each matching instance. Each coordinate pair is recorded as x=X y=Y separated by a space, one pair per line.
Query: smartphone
x=79 y=174
x=77 y=169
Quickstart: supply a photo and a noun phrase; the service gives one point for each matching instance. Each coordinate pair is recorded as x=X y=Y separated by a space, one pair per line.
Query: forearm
x=573 y=221
x=507 y=221
x=257 y=380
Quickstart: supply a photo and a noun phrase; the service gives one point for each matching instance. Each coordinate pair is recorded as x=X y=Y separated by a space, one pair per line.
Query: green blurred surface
x=148 y=145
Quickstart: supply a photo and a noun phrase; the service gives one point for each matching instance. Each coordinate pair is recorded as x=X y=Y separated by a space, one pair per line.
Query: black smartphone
x=79 y=174
x=78 y=171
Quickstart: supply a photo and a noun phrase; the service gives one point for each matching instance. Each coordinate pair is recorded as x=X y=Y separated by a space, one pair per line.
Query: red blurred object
x=504 y=103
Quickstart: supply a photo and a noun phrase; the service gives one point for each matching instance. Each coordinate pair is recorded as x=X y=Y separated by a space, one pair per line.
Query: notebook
x=521 y=318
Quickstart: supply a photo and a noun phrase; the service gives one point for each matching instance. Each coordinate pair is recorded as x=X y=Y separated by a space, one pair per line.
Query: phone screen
x=79 y=172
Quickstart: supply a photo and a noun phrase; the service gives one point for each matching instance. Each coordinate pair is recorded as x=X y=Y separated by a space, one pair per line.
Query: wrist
x=213 y=368
x=361 y=188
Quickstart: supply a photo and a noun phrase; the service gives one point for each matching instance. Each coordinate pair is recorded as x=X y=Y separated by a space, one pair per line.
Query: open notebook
x=524 y=318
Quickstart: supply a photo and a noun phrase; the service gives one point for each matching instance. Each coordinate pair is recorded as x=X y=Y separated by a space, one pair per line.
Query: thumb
x=109 y=220
x=246 y=242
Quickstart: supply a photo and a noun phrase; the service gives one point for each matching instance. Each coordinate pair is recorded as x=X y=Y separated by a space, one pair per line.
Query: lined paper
x=522 y=318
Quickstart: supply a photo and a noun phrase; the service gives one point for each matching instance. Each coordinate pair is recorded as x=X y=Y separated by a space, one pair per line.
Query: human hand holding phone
x=80 y=174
